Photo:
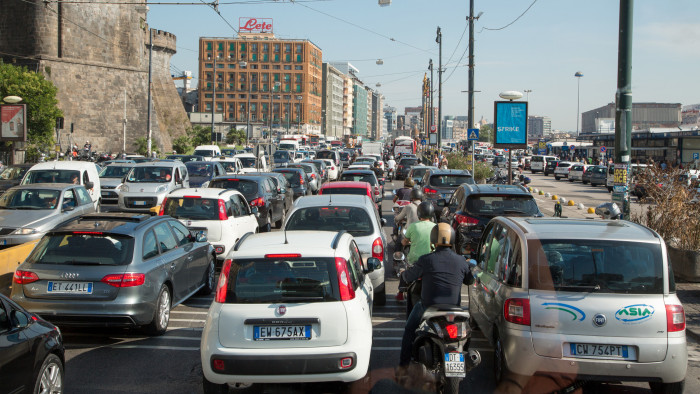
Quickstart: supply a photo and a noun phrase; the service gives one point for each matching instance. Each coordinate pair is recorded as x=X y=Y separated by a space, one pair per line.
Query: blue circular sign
x=572 y=147
x=602 y=149
x=423 y=142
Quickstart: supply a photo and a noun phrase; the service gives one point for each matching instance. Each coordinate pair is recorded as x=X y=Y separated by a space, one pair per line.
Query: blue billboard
x=510 y=124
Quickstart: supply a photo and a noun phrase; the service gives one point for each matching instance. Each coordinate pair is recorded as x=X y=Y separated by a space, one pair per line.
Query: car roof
x=110 y=222
x=44 y=186
x=63 y=165
x=209 y=192
x=449 y=172
x=494 y=189
x=329 y=200
x=358 y=171
x=565 y=228
x=160 y=163
x=248 y=176
x=347 y=184
x=306 y=243
x=244 y=155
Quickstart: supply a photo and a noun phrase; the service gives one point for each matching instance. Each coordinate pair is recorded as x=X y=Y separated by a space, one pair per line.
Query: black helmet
x=442 y=235
x=416 y=194
x=425 y=209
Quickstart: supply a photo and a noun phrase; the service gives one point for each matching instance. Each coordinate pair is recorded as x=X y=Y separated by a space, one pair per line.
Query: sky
x=518 y=45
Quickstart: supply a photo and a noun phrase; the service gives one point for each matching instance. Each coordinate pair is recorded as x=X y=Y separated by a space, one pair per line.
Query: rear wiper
x=595 y=287
x=514 y=211
x=74 y=262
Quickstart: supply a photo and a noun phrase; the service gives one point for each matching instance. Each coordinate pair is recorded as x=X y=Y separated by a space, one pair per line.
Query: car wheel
x=380 y=297
x=50 y=376
x=213 y=388
x=532 y=171
x=209 y=278
x=268 y=225
x=161 y=316
x=571 y=180
x=667 y=388
x=584 y=182
x=499 y=361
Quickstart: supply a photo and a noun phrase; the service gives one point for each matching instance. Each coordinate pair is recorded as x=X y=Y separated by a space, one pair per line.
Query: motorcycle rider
x=418 y=233
x=443 y=272
x=391 y=165
x=404 y=193
x=409 y=213
x=377 y=168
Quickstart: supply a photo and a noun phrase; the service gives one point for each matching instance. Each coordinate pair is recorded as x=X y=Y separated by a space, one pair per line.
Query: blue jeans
x=409 y=334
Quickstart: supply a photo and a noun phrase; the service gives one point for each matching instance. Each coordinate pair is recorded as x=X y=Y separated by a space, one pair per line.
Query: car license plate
x=270 y=333
x=139 y=202
x=70 y=287
x=104 y=194
x=454 y=365
x=599 y=350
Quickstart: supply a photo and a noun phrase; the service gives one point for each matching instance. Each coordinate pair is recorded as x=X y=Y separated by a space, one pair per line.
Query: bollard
x=591 y=210
x=555 y=197
x=571 y=203
x=580 y=205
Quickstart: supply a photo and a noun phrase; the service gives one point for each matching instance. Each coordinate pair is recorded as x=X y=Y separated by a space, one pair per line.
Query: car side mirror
x=18 y=319
x=89 y=185
x=67 y=208
x=201 y=236
x=254 y=211
x=373 y=263
x=383 y=221
x=441 y=203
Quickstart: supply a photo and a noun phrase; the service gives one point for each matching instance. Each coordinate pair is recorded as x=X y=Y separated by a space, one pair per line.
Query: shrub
x=458 y=161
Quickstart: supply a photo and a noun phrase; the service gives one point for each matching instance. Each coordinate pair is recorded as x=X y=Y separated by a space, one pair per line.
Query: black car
x=185 y=158
x=404 y=166
x=283 y=187
x=298 y=180
x=261 y=192
x=418 y=171
x=473 y=206
x=550 y=166
x=283 y=158
x=12 y=175
x=440 y=184
x=202 y=172
x=31 y=352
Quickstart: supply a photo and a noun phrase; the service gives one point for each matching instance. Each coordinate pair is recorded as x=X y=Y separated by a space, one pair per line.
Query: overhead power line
x=515 y=20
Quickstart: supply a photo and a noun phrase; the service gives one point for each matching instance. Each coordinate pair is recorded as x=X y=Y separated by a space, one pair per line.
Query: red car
x=350 y=187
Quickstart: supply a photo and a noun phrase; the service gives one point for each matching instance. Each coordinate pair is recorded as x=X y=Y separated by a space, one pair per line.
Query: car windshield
x=419 y=172
x=344 y=190
x=200 y=168
x=192 y=208
x=307 y=168
x=248 y=188
x=52 y=176
x=12 y=173
x=596 y=266
x=204 y=152
x=344 y=156
x=599 y=170
x=229 y=166
x=507 y=204
x=367 y=160
x=83 y=248
x=359 y=178
x=281 y=155
x=354 y=220
x=254 y=281
x=115 y=171
x=30 y=199
x=248 y=162
x=150 y=175
x=450 y=180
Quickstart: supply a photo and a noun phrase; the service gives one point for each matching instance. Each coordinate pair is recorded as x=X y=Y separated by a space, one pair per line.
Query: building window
x=221 y=46
x=266 y=47
x=207 y=96
x=287 y=77
x=298 y=58
x=287 y=48
x=277 y=58
x=277 y=48
x=287 y=58
x=209 y=46
x=254 y=57
x=297 y=78
x=254 y=47
x=298 y=48
x=219 y=96
x=299 y=68
x=265 y=67
x=287 y=67
x=298 y=88
x=276 y=67
x=208 y=85
x=219 y=65
x=242 y=47
x=208 y=65
x=265 y=57
x=253 y=87
x=286 y=87
x=231 y=65
x=231 y=47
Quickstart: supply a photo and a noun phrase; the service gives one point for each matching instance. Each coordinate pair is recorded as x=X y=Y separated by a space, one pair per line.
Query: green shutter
x=209 y=46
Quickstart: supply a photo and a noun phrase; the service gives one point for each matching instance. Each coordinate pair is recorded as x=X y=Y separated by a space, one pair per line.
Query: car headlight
x=25 y=231
x=161 y=188
x=124 y=188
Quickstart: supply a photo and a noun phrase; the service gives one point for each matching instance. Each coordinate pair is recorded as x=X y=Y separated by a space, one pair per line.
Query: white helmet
x=391 y=157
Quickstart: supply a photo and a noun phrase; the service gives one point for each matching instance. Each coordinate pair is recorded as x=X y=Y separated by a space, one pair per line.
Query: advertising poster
x=510 y=124
x=14 y=121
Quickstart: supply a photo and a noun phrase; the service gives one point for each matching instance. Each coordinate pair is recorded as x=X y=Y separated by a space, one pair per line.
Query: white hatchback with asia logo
x=290 y=307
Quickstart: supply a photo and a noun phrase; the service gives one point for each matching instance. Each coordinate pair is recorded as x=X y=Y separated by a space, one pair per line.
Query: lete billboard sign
x=255 y=25
x=510 y=124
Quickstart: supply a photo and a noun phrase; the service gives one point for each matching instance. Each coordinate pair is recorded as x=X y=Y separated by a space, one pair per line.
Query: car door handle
x=172 y=265
x=189 y=258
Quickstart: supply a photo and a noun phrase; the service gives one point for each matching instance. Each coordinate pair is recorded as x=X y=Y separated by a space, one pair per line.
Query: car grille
x=107 y=187
x=140 y=202
x=6 y=230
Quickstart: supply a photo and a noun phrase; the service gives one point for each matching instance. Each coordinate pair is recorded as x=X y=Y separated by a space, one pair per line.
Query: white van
x=209 y=152
x=538 y=162
x=252 y=165
x=82 y=172
x=147 y=184
x=288 y=145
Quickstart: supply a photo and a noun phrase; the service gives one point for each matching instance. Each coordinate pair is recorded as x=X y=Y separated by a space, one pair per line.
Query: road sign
x=505 y=149
x=473 y=135
x=433 y=129
x=602 y=149
x=424 y=142
x=572 y=147
x=696 y=156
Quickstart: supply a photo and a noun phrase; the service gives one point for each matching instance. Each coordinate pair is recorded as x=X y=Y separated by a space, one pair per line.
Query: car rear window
x=419 y=172
x=354 y=220
x=344 y=190
x=538 y=159
x=325 y=155
x=450 y=180
x=83 y=248
x=254 y=281
x=281 y=154
x=293 y=177
x=204 y=152
x=596 y=266
x=246 y=187
x=495 y=205
x=359 y=178
x=408 y=162
x=192 y=208
x=563 y=165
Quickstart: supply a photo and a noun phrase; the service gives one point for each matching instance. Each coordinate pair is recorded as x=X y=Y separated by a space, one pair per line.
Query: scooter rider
x=378 y=171
x=409 y=213
x=443 y=272
x=391 y=165
x=405 y=192
x=418 y=233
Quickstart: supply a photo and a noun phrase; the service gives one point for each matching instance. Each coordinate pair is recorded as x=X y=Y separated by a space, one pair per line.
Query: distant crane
x=185 y=76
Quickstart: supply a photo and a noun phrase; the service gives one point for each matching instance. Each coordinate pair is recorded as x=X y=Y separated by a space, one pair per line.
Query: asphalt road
x=120 y=361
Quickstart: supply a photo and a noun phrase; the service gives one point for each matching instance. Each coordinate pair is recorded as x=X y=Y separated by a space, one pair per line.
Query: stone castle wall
x=95 y=54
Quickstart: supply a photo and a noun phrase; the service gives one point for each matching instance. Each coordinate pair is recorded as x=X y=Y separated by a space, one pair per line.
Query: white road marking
x=184 y=328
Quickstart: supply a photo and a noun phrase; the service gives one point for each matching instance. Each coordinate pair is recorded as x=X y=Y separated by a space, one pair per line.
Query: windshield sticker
x=633 y=314
x=575 y=312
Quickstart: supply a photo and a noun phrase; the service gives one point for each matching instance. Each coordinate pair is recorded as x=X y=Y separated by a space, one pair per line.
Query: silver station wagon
x=590 y=298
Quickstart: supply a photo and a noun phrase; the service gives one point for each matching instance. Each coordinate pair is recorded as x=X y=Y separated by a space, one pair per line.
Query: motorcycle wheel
x=451 y=385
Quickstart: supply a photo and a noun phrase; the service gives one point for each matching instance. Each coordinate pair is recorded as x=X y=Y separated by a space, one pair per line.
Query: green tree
x=182 y=145
x=235 y=136
x=481 y=172
x=141 y=144
x=42 y=106
x=486 y=133
x=200 y=135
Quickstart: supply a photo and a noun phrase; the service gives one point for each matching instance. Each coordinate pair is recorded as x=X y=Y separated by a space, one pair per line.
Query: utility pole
x=124 y=126
x=432 y=112
x=439 y=121
x=470 y=92
x=213 y=100
x=623 y=110
x=150 y=76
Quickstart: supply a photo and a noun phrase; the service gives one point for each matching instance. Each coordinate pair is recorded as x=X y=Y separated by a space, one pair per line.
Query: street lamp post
x=578 y=76
x=527 y=94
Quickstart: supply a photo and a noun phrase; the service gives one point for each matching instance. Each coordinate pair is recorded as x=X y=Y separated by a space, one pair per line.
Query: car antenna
x=285 y=236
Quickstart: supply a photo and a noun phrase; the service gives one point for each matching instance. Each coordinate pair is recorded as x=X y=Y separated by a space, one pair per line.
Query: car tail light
x=124 y=280
x=466 y=221
x=378 y=249
x=219 y=249
x=313 y=176
x=258 y=202
x=675 y=318
x=24 y=277
x=517 y=310
x=427 y=190
x=221 y=286
x=301 y=179
x=191 y=196
x=218 y=364
x=345 y=362
x=222 y=210
x=283 y=256
x=347 y=293
x=452 y=330
x=162 y=207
